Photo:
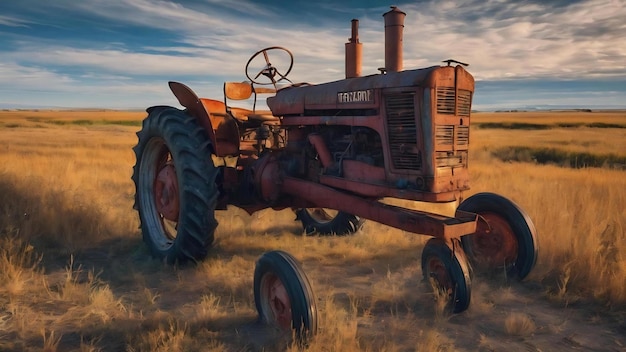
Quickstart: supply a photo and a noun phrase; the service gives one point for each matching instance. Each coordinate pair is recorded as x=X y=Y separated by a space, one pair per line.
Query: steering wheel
x=268 y=70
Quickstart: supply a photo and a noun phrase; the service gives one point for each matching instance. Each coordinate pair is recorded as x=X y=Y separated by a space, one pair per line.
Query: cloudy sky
x=121 y=53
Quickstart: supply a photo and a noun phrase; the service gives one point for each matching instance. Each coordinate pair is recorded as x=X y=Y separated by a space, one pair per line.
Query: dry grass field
x=75 y=275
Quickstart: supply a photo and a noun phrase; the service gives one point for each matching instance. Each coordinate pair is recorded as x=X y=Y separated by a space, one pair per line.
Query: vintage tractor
x=332 y=152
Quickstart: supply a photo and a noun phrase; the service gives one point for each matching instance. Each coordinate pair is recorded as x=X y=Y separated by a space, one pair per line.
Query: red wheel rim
x=276 y=298
x=494 y=244
x=166 y=192
x=437 y=271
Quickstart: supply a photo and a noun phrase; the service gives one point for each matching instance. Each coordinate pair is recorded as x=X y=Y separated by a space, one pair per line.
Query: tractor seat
x=244 y=91
x=249 y=115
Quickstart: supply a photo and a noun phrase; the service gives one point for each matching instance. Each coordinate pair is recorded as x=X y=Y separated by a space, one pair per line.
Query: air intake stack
x=354 y=51
x=394 y=26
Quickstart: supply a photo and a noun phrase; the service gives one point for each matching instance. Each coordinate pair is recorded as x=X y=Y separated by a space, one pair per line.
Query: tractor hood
x=351 y=93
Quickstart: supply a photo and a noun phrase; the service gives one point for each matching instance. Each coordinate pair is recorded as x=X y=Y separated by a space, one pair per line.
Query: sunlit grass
x=519 y=324
x=588 y=140
x=75 y=275
x=552 y=117
x=580 y=216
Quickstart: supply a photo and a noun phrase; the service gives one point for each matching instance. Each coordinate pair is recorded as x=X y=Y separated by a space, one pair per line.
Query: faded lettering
x=357 y=96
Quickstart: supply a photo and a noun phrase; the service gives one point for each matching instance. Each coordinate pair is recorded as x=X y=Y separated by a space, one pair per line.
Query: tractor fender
x=211 y=115
x=187 y=98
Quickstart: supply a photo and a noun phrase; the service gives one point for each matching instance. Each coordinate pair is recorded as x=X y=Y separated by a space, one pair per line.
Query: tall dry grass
x=552 y=117
x=74 y=274
x=581 y=219
x=580 y=214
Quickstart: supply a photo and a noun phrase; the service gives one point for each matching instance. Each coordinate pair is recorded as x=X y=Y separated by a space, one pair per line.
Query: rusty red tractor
x=331 y=152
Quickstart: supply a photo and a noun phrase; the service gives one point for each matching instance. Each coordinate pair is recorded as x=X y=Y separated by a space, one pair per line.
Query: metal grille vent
x=445 y=135
x=465 y=102
x=445 y=100
x=402 y=131
x=462 y=135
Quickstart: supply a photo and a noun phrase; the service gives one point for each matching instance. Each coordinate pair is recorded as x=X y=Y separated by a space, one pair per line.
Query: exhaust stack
x=394 y=26
x=354 y=51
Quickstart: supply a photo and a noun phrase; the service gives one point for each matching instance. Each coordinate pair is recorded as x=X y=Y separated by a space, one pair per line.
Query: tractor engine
x=357 y=143
x=400 y=134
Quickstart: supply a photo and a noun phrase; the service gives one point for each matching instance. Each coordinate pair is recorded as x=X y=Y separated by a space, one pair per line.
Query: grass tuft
x=19 y=264
x=519 y=324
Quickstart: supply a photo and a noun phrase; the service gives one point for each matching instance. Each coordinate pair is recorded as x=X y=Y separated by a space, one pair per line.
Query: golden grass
x=519 y=324
x=583 y=139
x=76 y=276
x=580 y=216
x=552 y=117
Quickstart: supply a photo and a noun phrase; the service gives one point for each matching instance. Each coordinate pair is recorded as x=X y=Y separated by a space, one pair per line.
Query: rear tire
x=175 y=190
x=505 y=240
x=319 y=221
x=283 y=295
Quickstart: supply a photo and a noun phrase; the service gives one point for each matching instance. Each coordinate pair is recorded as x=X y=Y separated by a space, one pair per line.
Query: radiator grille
x=462 y=135
x=402 y=131
x=445 y=135
x=465 y=102
x=446 y=101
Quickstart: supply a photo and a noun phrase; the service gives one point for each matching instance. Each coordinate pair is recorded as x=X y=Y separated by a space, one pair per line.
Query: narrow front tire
x=505 y=238
x=283 y=295
x=449 y=272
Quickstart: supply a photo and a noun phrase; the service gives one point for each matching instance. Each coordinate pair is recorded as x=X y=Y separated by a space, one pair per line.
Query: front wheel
x=449 y=272
x=328 y=222
x=283 y=295
x=175 y=186
x=505 y=238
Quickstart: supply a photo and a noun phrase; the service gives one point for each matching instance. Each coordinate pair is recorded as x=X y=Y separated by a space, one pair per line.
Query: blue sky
x=121 y=53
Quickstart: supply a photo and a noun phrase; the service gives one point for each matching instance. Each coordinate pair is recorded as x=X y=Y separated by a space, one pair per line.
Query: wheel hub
x=438 y=272
x=494 y=242
x=166 y=193
x=279 y=303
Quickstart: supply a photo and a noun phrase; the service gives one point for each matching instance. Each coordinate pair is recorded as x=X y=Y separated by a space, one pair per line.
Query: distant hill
x=550 y=108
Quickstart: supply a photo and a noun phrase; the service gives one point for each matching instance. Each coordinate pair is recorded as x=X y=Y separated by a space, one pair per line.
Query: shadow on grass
x=96 y=256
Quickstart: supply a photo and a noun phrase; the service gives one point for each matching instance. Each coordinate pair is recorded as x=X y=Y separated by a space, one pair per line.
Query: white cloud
x=29 y=77
x=530 y=40
x=13 y=21
x=501 y=40
x=118 y=61
x=173 y=16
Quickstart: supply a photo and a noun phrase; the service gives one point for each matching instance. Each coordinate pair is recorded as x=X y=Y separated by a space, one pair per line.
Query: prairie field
x=76 y=276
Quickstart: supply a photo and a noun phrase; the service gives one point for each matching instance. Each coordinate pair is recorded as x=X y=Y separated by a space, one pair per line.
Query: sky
x=120 y=54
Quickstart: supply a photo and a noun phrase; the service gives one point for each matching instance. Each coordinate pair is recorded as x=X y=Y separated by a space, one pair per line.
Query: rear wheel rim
x=166 y=192
x=159 y=196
